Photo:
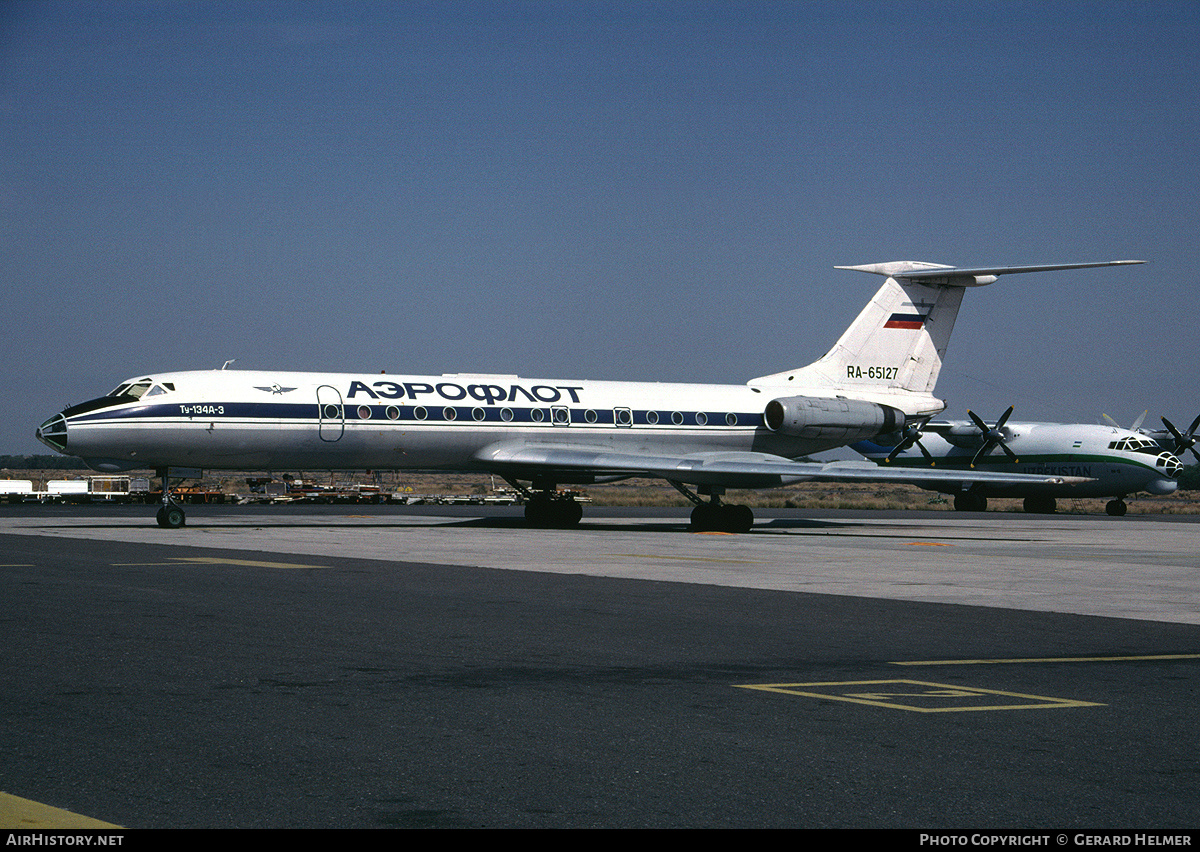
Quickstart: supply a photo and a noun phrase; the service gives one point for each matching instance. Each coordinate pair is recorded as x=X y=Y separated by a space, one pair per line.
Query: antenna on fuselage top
x=227 y=363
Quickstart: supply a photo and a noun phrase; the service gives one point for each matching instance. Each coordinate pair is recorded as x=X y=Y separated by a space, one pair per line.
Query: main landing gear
x=1040 y=505
x=546 y=508
x=715 y=516
x=546 y=511
x=970 y=502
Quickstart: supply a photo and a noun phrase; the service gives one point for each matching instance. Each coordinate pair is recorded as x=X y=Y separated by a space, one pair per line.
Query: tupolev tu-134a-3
x=539 y=434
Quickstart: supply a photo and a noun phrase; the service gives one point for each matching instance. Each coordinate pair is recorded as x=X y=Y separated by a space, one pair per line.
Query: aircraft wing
x=732 y=470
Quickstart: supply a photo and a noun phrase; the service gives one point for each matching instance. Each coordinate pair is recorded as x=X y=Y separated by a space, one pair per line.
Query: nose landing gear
x=170 y=516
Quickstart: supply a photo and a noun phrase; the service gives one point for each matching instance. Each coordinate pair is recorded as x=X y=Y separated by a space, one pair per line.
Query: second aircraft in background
x=1115 y=462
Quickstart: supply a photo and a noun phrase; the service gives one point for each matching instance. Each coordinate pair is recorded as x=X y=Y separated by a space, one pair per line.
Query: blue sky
x=594 y=190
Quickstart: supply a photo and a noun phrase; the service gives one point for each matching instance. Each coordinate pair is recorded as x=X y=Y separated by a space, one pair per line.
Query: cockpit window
x=156 y=390
x=133 y=390
x=1135 y=445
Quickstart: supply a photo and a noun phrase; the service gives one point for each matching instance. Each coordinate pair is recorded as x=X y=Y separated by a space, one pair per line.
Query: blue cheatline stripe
x=410 y=414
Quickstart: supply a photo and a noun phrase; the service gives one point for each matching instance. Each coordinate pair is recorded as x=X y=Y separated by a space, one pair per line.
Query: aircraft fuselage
x=1116 y=461
x=234 y=419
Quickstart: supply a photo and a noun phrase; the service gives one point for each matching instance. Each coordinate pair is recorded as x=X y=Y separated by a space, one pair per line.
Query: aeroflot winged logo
x=275 y=389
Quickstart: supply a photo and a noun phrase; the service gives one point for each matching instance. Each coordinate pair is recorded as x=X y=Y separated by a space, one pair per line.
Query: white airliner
x=548 y=432
x=1112 y=461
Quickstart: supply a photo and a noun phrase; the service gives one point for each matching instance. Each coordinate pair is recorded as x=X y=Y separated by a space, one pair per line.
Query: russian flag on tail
x=905 y=321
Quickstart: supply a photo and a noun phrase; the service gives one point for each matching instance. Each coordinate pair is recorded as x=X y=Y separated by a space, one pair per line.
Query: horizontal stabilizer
x=951 y=276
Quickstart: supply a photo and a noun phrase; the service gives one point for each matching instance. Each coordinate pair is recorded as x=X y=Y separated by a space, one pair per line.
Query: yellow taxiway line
x=19 y=813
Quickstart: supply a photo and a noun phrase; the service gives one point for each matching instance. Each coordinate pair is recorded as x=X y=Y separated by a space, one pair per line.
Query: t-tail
x=893 y=351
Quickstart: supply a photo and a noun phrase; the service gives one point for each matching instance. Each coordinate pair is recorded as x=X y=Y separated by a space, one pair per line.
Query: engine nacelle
x=842 y=420
x=965 y=436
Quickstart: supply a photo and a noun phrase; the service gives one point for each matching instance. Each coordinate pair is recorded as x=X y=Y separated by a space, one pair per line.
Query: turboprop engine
x=843 y=420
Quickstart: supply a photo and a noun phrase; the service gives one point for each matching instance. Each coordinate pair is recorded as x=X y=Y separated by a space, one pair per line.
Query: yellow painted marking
x=17 y=565
x=216 y=560
x=919 y=696
x=929 y=544
x=1046 y=660
x=691 y=558
x=712 y=532
x=16 y=812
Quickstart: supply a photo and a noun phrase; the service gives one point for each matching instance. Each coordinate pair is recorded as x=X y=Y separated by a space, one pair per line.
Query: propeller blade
x=1180 y=441
x=1133 y=427
x=993 y=436
x=983 y=451
x=1186 y=440
x=910 y=436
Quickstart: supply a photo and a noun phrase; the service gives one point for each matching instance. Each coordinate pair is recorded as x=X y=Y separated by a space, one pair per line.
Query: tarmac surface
x=385 y=666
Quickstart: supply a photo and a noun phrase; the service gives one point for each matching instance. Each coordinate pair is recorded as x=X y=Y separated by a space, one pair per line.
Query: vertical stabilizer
x=896 y=345
x=897 y=342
